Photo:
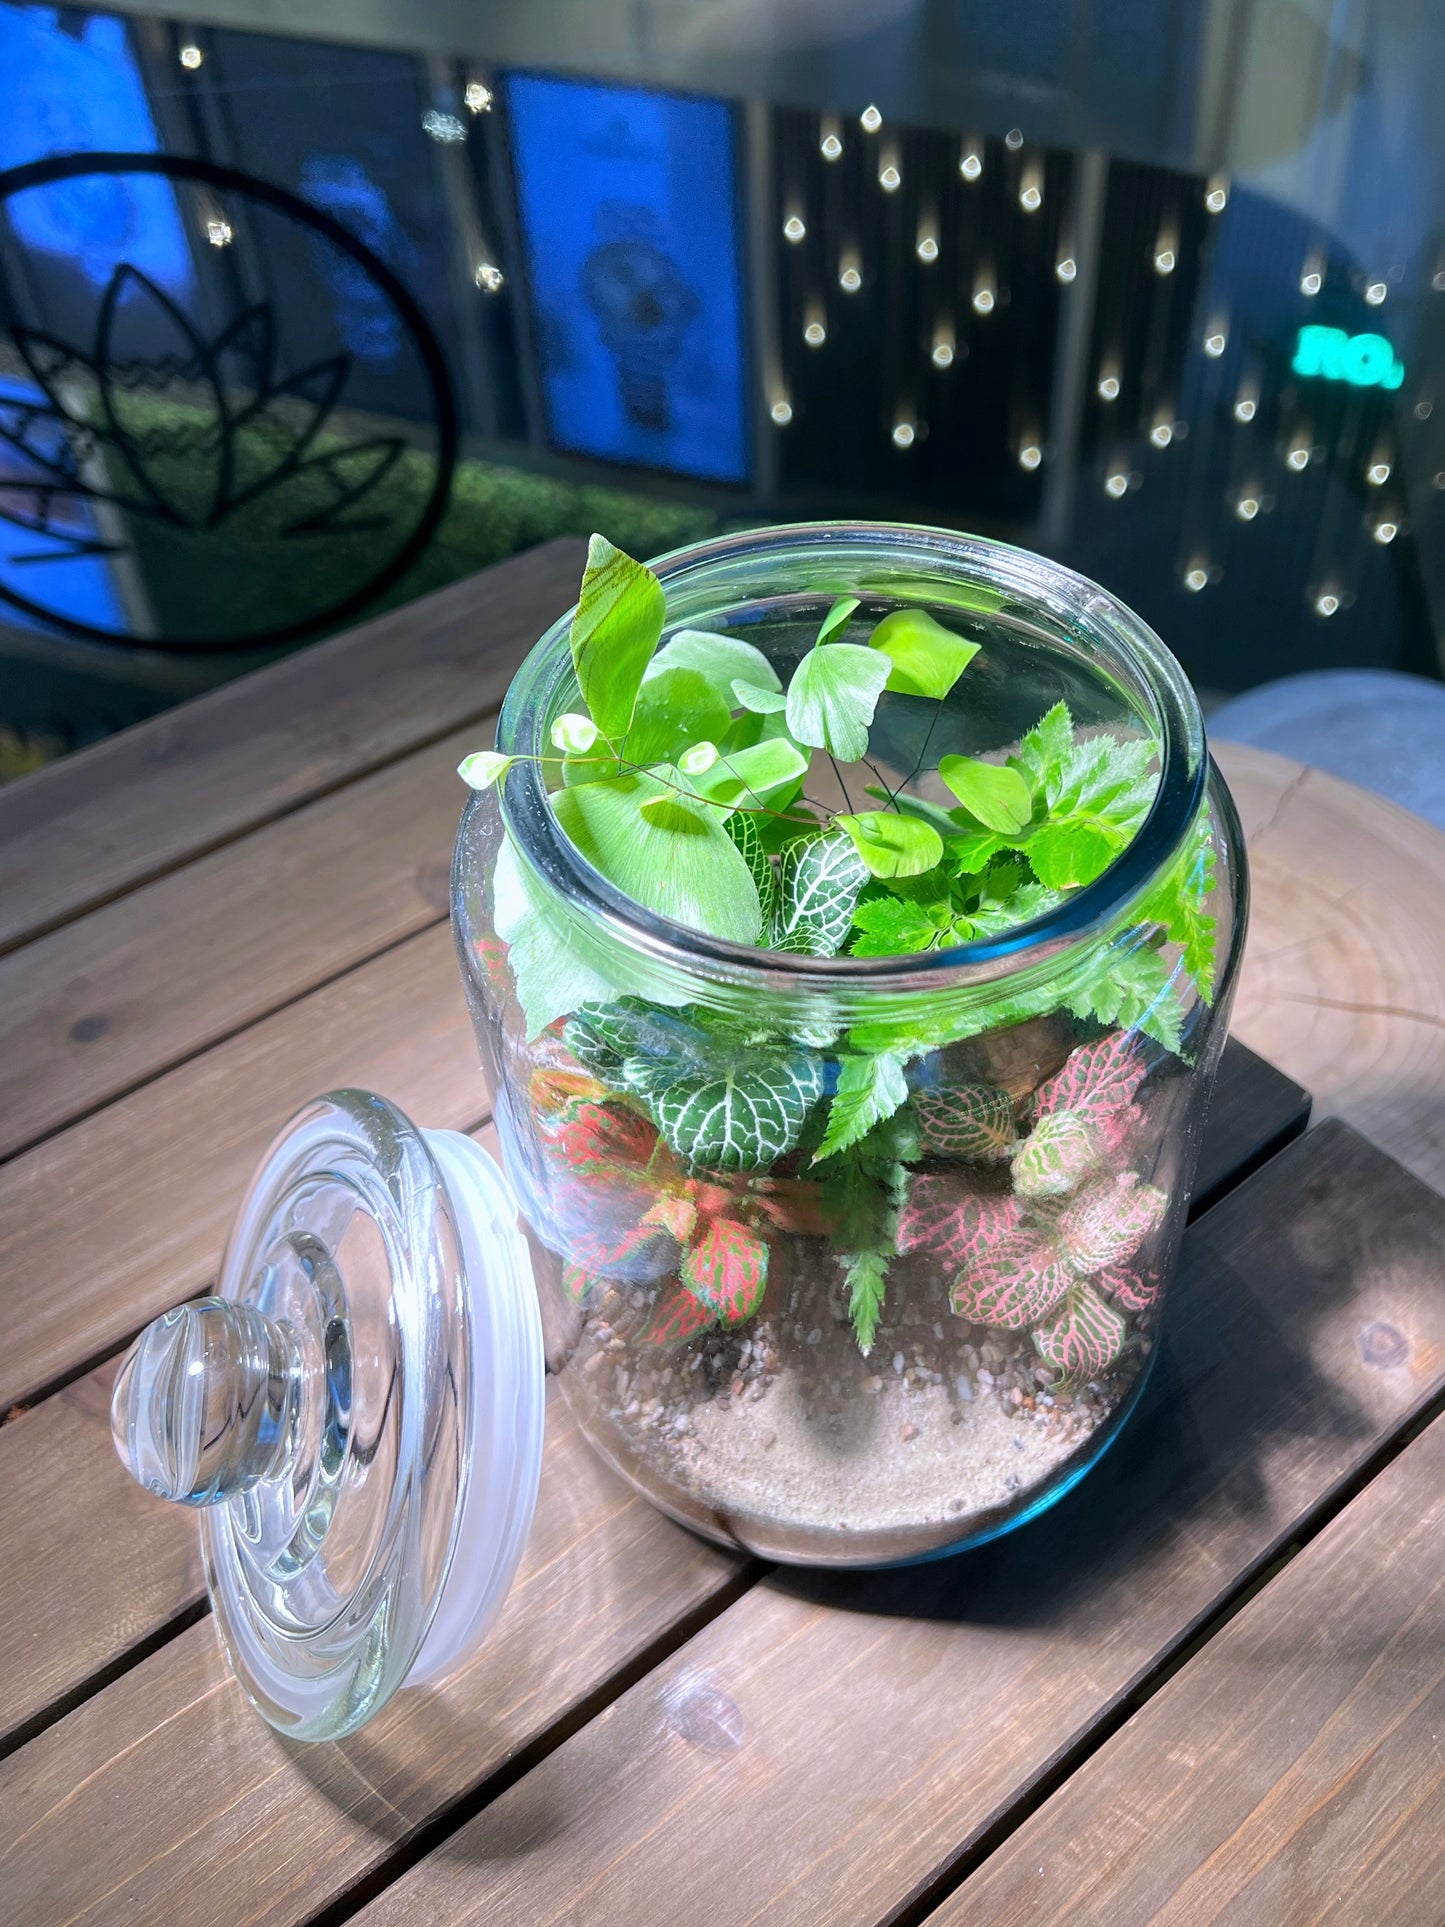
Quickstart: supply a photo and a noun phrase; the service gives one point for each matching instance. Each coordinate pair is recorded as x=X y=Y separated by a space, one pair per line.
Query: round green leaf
x=614 y=632
x=674 y=711
x=927 y=659
x=574 y=733
x=484 y=767
x=893 y=845
x=995 y=794
x=759 y=775
x=675 y=857
x=832 y=696
x=722 y=660
x=760 y=701
x=837 y=616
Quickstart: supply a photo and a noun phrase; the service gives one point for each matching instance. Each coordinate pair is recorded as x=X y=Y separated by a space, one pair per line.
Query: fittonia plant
x=691 y=1140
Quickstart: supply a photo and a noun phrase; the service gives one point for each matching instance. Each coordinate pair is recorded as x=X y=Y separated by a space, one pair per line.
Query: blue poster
x=628 y=206
x=51 y=550
x=73 y=86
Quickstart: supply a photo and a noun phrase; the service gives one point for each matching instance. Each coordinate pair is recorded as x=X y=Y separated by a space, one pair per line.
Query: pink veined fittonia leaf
x=1060 y=1151
x=577 y=1281
x=599 y=1137
x=974 y=1121
x=553 y=1087
x=953 y=1223
x=1086 y=1336
x=604 y=1249
x=1108 y=1222
x=492 y=956
x=1114 y=1132
x=1015 y=1283
x=1134 y=1290
x=727 y=1268
x=678 y=1316
x=1097 y=1077
x=675 y=1215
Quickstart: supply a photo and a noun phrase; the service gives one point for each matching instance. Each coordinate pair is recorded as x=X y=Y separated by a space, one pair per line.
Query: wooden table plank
x=34 y=1595
x=831 y=1745
x=1292 y=1771
x=120 y=1571
x=91 y=1567
x=116 y=997
x=110 y=1543
x=107 y=1224
x=166 y=1790
x=128 y=809
x=1343 y=985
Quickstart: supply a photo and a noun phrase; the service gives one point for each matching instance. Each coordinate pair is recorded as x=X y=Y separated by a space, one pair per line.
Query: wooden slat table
x=1208 y=1685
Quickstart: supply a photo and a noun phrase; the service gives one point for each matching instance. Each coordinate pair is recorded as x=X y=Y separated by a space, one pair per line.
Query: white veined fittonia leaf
x=818 y=885
x=742 y=827
x=742 y=1116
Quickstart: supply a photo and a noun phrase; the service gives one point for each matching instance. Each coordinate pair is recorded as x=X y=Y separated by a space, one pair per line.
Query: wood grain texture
x=1343 y=985
x=119 y=1568
x=128 y=809
x=90 y=1566
x=131 y=1561
x=164 y=1798
x=118 y=996
x=108 y=1223
x=830 y=1744
x=1293 y=1771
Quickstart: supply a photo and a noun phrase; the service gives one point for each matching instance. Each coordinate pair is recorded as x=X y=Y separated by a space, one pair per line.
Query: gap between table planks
x=116 y=996
x=126 y=810
x=124 y=993
x=829 y=1747
x=107 y=1224
x=113 y=1543
x=174 y=1706
x=169 y=1812
x=1291 y=1771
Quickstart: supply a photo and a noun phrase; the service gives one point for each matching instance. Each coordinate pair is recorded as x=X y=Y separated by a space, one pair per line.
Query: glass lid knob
x=207 y=1400
x=357 y=1412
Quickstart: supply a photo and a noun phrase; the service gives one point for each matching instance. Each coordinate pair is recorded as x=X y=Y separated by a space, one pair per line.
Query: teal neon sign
x=1364 y=361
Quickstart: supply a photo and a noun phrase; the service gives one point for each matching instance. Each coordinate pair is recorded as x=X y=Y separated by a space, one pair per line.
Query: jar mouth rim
x=1085 y=914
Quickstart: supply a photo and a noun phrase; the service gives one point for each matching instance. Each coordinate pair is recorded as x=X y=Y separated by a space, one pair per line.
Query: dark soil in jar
x=782 y=1437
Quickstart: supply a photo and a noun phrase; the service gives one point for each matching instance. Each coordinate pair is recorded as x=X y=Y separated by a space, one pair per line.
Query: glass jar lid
x=358 y=1412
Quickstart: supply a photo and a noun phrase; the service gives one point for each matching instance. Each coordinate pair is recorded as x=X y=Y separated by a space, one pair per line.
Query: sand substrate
x=783 y=1430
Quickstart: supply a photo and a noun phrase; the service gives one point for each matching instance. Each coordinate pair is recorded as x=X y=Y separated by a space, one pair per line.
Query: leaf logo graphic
x=159 y=428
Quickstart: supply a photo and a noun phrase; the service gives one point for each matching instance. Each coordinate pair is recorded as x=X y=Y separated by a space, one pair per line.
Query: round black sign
x=225 y=423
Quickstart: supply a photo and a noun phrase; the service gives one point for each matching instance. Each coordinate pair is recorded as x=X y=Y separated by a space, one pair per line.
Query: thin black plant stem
x=917 y=769
x=841 y=784
x=892 y=795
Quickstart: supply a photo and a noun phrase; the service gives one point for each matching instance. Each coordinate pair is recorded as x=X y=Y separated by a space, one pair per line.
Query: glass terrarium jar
x=659 y=1094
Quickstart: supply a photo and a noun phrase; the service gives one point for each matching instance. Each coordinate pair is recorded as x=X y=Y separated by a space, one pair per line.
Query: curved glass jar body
x=1020 y=1213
